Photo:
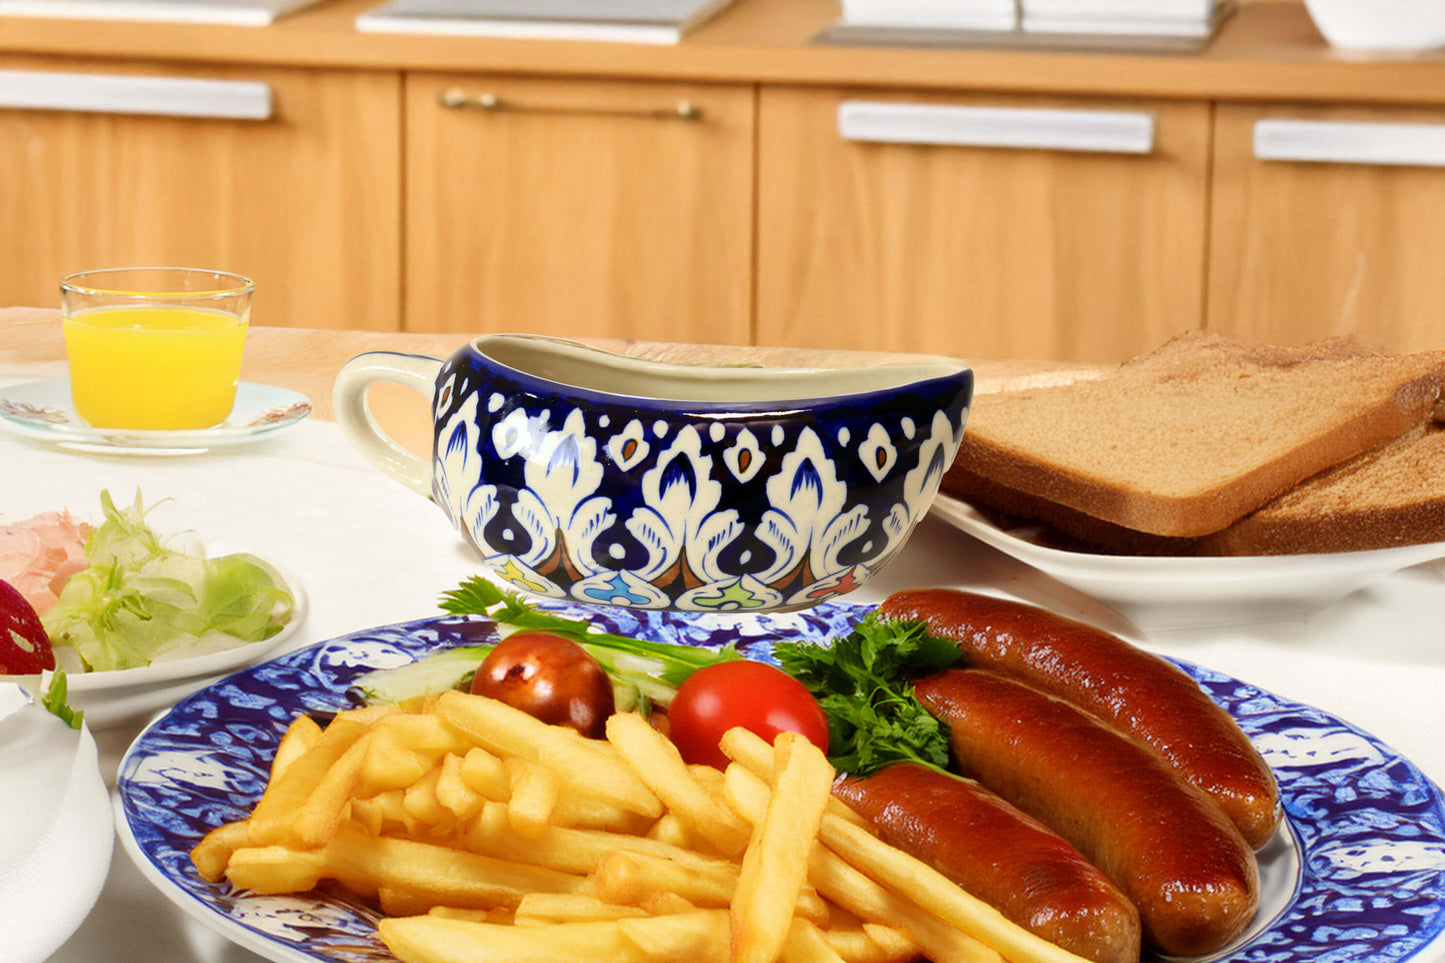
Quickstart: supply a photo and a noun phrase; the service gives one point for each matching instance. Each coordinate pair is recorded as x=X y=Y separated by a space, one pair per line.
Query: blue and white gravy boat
x=579 y=473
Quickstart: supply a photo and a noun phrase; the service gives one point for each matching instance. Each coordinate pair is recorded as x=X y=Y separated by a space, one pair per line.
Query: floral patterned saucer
x=1357 y=874
x=44 y=410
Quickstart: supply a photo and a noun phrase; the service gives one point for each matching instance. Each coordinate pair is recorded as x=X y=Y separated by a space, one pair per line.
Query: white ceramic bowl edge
x=1380 y=25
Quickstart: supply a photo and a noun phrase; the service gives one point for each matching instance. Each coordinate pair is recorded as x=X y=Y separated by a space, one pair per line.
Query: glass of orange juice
x=154 y=348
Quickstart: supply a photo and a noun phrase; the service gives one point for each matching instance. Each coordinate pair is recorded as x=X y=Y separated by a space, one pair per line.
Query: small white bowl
x=1380 y=25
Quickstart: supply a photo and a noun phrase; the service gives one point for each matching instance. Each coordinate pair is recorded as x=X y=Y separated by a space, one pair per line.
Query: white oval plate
x=44 y=410
x=1175 y=592
x=113 y=697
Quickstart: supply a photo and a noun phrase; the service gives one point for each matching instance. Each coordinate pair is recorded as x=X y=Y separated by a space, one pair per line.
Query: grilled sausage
x=1164 y=842
x=1134 y=690
x=1000 y=855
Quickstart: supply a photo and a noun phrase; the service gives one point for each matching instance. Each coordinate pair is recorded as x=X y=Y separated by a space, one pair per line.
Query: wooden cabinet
x=581 y=208
x=1061 y=230
x=747 y=185
x=289 y=176
x=1328 y=221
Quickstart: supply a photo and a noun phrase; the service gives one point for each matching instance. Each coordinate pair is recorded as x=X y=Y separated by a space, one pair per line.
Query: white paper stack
x=1157 y=18
x=239 y=13
x=932 y=14
x=623 y=21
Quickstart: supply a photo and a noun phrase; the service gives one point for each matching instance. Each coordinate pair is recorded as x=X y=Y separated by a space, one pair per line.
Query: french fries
x=775 y=864
x=486 y=836
x=584 y=766
x=659 y=764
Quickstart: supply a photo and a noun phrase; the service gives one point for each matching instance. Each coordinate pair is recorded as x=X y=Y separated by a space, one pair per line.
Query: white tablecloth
x=371 y=552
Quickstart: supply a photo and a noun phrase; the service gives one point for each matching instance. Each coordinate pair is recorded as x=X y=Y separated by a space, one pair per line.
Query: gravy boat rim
x=562 y=364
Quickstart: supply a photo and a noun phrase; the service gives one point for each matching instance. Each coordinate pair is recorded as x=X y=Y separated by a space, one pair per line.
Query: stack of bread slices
x=1210 y=447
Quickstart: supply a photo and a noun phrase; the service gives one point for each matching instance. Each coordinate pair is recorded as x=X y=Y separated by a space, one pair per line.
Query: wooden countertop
x=1270 y=50
x=307 y=360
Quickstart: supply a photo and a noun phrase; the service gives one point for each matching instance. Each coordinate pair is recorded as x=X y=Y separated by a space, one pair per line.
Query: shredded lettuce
x=140 y=599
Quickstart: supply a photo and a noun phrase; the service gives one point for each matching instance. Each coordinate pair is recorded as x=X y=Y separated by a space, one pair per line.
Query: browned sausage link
x=1165 y=843
x=1004 y=857
x=1136 y=691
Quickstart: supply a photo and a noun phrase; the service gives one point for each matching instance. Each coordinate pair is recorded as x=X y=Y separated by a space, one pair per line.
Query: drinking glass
x=155 y=348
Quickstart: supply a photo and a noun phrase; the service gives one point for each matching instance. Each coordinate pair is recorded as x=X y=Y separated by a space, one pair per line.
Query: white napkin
x=56 y=828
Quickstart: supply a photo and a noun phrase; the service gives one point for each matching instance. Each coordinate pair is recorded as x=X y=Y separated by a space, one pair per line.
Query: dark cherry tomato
x=550 y=678
x=754 y=695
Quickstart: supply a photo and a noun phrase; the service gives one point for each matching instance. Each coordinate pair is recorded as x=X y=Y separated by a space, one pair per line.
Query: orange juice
x=150 y=366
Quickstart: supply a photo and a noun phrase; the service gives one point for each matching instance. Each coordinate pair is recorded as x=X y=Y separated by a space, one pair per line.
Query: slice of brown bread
x=1384 y=499
x=1186 y=440
x=1066 y=528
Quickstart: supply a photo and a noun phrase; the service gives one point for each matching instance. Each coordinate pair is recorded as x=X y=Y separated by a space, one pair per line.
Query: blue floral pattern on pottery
x=699 y=506
x=1358 y=875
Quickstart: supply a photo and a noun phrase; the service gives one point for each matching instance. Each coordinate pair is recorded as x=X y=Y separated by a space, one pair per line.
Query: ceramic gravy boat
x=575 y=472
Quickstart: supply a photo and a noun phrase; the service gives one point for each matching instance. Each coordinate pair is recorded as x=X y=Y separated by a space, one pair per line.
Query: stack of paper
x=625 y=21
x=932 y=14
x=1159 y=18
x=243 y=13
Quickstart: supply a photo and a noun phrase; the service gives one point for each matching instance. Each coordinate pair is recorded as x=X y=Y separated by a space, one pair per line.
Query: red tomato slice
x=24 y=646
x=754 y=695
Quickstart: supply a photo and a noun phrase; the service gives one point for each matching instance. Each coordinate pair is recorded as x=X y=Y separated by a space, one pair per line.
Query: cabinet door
x=1329 y=221
x=291 y=177
x=1048 y=230
x=579 y=208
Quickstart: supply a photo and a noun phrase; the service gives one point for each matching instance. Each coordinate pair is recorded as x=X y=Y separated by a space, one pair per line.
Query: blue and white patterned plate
x=1357 y=877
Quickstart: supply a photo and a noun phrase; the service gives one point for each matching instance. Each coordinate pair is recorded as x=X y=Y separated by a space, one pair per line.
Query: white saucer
x=44 y=410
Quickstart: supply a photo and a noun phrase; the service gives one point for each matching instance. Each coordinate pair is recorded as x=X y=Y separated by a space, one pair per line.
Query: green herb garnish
x=863 y=682
x=642 y=672
x=477 y=596
x=55 y=701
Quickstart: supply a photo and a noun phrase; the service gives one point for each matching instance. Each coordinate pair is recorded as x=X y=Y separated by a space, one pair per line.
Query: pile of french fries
x=487 y=836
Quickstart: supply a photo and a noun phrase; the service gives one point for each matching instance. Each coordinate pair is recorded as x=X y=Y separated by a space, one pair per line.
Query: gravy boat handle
x=359 y=425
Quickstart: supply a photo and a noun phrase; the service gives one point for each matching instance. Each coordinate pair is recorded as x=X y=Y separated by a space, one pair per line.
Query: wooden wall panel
x=977 y=252
x=307 y=203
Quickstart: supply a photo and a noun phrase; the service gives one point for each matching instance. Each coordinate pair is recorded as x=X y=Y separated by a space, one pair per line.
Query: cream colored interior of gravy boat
x=581 y=366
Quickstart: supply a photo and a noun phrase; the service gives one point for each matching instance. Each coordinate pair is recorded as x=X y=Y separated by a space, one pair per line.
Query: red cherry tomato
x=549 y=677
x=754 y=695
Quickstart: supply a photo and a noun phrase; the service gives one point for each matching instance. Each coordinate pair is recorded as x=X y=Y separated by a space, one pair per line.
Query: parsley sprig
x=863 y=682
x=662 y=661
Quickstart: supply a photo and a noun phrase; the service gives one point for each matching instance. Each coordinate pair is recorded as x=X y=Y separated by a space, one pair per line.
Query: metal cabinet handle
x=457 y=99
x=119 y=94
x=1106 y=131
x=1348 y=142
